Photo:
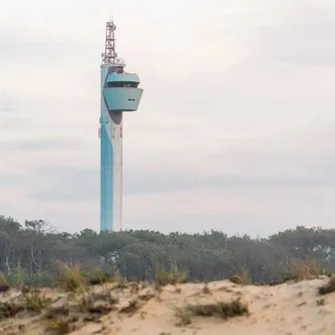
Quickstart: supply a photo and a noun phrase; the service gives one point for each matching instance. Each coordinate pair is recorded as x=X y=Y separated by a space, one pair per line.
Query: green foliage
x=98 y=277
x=3 y=283
x=35 y=302
x=328 y=273
x=28 y=253
x=16 y=279
x=3 y=280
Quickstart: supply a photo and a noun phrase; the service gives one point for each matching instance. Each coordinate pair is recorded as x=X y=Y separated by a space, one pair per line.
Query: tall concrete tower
x=119 y=93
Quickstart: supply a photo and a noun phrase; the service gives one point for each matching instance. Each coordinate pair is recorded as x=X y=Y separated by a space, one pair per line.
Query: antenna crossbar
x=110 y=55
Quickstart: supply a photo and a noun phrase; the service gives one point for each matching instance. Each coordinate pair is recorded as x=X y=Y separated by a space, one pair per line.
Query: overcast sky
x=235 y=130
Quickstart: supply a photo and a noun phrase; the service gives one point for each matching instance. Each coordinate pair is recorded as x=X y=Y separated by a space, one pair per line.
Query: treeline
x=33 y=249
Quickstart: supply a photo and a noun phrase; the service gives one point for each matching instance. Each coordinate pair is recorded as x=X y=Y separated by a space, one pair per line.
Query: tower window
x=122 y=84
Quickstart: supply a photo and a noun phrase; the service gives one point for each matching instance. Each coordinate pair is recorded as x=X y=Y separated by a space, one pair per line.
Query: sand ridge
x=289 y=308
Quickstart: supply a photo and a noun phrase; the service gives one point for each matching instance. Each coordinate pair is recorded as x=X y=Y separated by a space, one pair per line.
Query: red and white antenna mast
x=110 y=55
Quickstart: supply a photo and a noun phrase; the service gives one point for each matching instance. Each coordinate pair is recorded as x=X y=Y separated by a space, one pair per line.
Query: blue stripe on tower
x=106 y=180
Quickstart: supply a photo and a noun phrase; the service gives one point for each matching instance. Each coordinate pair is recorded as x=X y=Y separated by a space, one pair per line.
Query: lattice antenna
x=110 y=55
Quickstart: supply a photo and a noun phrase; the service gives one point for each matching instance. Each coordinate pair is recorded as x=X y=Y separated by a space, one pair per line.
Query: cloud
x=235 y=129
x=75 y=184
x=47 y=144
x=245 y=209
x=304 y=44
x=7 y=102
x=66 y=184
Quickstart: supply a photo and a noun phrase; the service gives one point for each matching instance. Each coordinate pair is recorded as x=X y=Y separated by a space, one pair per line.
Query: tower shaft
x=111 y=165
x=119 y=94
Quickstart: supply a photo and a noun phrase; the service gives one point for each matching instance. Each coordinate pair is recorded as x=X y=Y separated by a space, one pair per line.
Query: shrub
x=328 y=288
x=241 y=279
x=220 y=309
x=35 y=302
x=70 y=277
x=304 y=269
x=173 y=276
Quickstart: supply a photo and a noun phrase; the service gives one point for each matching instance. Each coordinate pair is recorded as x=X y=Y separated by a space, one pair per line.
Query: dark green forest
x=33 y=248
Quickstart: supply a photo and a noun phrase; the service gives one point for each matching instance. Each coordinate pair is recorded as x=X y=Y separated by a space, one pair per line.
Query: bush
x=70 y=277
x=35 y=302
x=173 y=276
x=220 y=309
x=304 y=269
x=241 y=279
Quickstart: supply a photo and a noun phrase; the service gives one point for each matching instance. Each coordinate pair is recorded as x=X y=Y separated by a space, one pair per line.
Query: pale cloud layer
x=235 y=129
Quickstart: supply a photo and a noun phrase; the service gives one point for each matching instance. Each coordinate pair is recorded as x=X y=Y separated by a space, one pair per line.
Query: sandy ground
x=290 y=308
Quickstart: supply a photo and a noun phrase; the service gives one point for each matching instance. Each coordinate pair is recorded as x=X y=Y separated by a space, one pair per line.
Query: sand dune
x=290 y=308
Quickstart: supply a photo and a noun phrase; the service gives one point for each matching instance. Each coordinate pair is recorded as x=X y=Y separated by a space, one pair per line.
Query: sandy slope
x=291 y=308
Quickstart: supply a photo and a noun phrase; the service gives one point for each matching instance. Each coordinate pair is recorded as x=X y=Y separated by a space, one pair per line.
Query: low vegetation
x=241 y=279
x=328 y=288
x=70 y=277
x=60 y=325
x=29 y=252
x=98 y=277
x=304 y=269
x=9 y=309
x=35 y=302
x=172 y=276
x=95 y=269
x=87 y=297
x=220 y=309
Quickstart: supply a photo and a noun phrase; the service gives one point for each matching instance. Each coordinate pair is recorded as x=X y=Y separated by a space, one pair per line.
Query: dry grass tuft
x=206 y=289
x=100 y=309
x=35 y=302
x=184 y=316
x=98 y=303
x=241 y=279
x=328 y=288
x=104 y=296
x=146 y=296
x=219 y=309
x=174 y=276
x=4 y=287
x=320 y=302
x=130 y=308
x=304 y=269
x=120 y=280
x=60 y=326
x=134 y=287
x=98 y=277
x=3 y=279
x=9 y=309
x=70 y=278
x=86 y=299
x=55 y=312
